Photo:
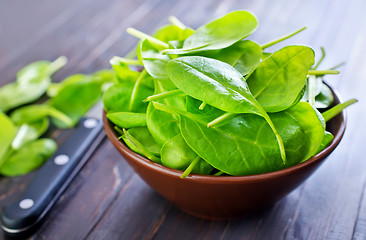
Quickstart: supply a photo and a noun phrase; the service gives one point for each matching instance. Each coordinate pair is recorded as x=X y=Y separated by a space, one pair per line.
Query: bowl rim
x=121 y=147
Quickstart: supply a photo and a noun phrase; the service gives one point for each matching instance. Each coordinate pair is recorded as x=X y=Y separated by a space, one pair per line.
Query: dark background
x=108 y=200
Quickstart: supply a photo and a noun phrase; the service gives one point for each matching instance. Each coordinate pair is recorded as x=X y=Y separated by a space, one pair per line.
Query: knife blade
x=22 y=217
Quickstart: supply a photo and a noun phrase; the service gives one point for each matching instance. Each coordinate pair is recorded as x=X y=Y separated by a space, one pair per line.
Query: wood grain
x=107 y=200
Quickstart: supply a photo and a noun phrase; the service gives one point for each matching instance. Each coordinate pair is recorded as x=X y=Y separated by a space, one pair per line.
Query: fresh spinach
x=279 y=79
x=32 y=82
x=28 y=158
x=8 y=131
x=219 y=33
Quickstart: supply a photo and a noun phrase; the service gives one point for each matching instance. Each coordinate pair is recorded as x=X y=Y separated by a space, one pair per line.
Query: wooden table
x=107 y=200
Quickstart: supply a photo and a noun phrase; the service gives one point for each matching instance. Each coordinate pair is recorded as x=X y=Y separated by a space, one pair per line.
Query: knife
x=22 y=217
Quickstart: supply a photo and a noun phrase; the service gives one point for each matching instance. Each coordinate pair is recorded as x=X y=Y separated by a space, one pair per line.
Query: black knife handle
x=50 y=181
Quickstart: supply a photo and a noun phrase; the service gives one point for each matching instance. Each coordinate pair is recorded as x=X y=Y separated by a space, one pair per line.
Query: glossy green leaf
x=162 y=125
x=244 y=56
x=32 y=113
x=29 y=157
x=328 y=138
x=123 y=72
x=127 y=119
x=142 y=135
x=76 y=98
x=224 y=87
x=246 y=144
x=313 y=124
x=32 y=82
x=178 y=155
x=29 y=132
x=213 y=82
x=279 y=79
x=8 y=132
x=219 y=33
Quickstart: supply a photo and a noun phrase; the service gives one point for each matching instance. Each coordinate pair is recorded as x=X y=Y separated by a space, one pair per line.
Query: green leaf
x=328 y=138
x=325 y=98
x=32 y=82
x=123 y=72
x=177 y=154
x=279 y=79
x=29 y=132
x=29 y=157
x=143 y=136
x=32 y=113
x=162 y=125
x=8 y=131
x=219 y=33
x=246 y=144
x=218 y=84
x=244 y=56
x=313 y=124
x=76 y=98
x=127 y=119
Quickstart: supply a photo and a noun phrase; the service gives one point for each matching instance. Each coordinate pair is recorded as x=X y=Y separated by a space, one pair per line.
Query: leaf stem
x=202 y=106
x=134 y=90
x=141 y=147
x=53 y=112
x=220 y=119
x=337 y=66
x=334 y=111
x=321 y=58
x=278 y=137
x=219 y=173
x=56 y=65
x=322 y=72
x=190 y=167
x=175 y=21
x=311 y=89
x=115 y=60
x=273 y=42
x=154 y=41
x=163 y=95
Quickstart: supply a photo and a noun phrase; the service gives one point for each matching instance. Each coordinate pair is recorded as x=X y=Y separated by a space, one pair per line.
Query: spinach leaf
x=8 y=131
x=32 y=113
x=224 y=87
x=328 y=138
x=162 y=125
x=178 y=155
x=123 y=72
x=219 y=33
x=325 y=98
x=143 y=136
x=279 y=79
x=77 y=96
x=127 y=119
x=29 y=132
x=32 y=82
x=244 y=56
x=244 y=145
x=29 y=157
x=313 y=124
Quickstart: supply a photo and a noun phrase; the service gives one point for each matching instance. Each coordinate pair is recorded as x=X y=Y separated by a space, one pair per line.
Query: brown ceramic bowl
x=225 y=197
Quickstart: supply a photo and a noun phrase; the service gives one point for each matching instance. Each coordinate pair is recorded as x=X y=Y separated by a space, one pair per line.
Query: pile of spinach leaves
x=23 y=121
x=210 y=101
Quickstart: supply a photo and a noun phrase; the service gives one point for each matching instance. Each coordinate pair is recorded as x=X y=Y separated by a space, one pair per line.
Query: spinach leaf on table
x=29 y=132
x=219 y=33
x=29 y=157
x=32 y=82
x=8 y=132
x=279 y=79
